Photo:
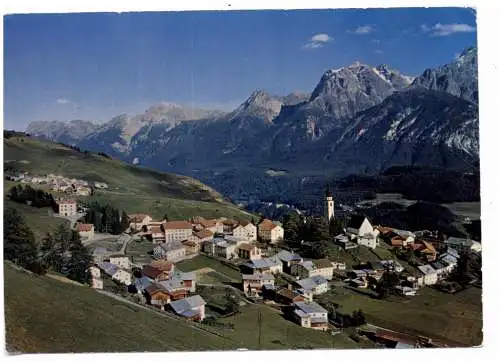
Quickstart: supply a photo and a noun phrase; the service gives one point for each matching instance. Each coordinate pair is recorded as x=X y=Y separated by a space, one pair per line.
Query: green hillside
x=60 y=317
x=135 y=189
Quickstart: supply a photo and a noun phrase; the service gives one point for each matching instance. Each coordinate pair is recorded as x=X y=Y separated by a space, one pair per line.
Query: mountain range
x=358 y=119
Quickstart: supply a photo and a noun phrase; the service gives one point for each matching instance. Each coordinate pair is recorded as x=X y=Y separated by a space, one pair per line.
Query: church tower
x=329 y=204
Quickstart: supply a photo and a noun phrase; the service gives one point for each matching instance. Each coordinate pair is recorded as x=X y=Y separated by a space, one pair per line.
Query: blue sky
x=95 y=66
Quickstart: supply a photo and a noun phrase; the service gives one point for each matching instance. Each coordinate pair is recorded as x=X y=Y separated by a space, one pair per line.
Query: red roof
x=204 y=234
x=267 y=225
x=156 y=229
x=64 y=202
x=151 y=272
x=208 y=223
x=84 y=227
x=161 y=265
x=181 y=224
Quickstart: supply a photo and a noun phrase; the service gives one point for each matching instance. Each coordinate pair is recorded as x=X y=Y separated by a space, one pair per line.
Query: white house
x=192 y=308
x=121 y=261
x=270 y=265
x=249 y=251
x=157 y=234
x=368 y=240
x=428 y=275
x=311 y=315
x=270 y=232
x=67 y=207
x=138 y=221
x=171 y=252
x=316 y=284
x=253 y=284
x=308 y=269
x=85 y=231
x=177 y=230
x=120 y=275
x=359 y=225
x=246 y=230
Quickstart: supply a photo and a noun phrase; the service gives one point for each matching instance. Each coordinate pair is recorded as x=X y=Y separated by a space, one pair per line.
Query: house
x=402 y=238
x=177 y=230
x=188 y=279
x=225 y=249
x=288 y=259
x=359 y=225
x=288 y=296
x=427 y=275
x=246 y=230
x=392 y=265
x=157 y=295
x=157 y=234
x=199 y=237
x=96 y=281
x=265 y=266
x=142 y=283
x=155 y=274
x=345 y=242
x=311 y=315
x=117 y=274
x=316 y=284
x=85 y=230
x=174 y=288
x=369 y=240
x=228 y=225
x=249 y=251
x=67 y=207
x=82 y=191
x=253 y=284
x=173 y=251
x=307 y=269
x=192 y=308
x=99 y=254
x=442 y=269
x=462 y=244
x=338 y=265
x=139 y=221
x=450 y=261
x=425 y=248
x=408 y=291
x=121 y=261
x=270 y=232
x=213 y=225
x=163 y=265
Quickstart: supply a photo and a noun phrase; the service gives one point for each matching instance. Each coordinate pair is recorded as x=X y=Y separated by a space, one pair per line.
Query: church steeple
x=329 y=204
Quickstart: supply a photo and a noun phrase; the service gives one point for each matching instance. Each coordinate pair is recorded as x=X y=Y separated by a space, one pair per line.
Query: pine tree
x=80 y=260
x=291 y=224
x=165 y=217
x=125 y=221
x=50 y=253
x=19 y=240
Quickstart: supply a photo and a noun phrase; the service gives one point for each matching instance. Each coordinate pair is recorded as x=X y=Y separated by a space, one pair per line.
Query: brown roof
x=67 y=202
x=208 y=223
x=384 y=229
x=84 y=227
x=180 y=224
x=245 y=223
x=156 y=229
x=204 y=234
x=322 y=263
x=267 y=225
x=151 y=272
x=230 y=222
x=162 y=265
x=198 y=219
x=155 y=288
x=246 y=246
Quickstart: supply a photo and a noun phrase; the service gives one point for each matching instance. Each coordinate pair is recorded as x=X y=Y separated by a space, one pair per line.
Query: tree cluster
x=106 y=219
x=36 y=197
x=387 y=284
x=356 y=319
x=63 y=252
